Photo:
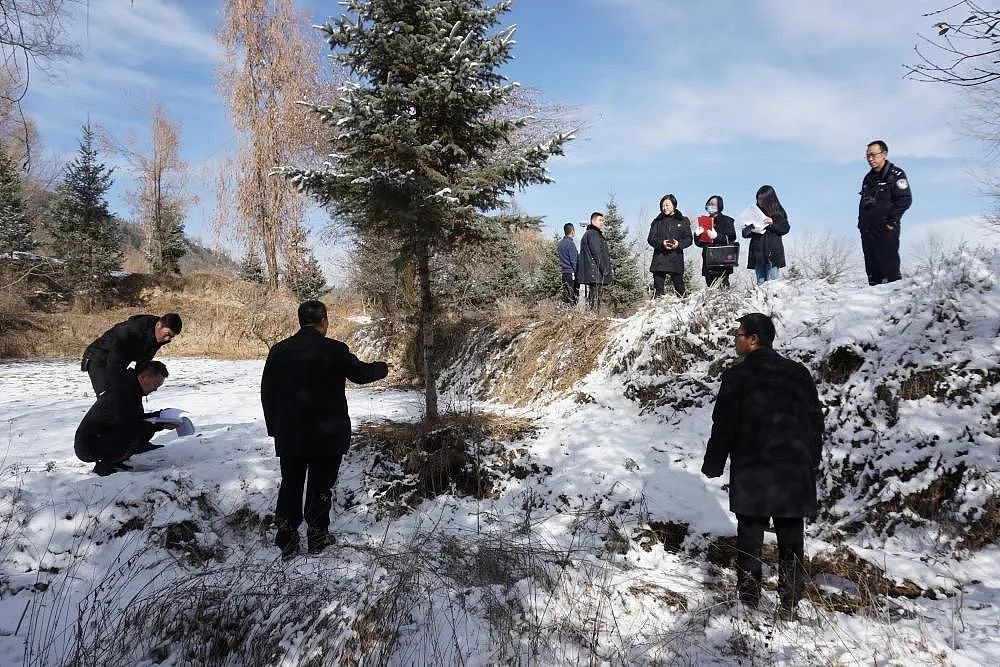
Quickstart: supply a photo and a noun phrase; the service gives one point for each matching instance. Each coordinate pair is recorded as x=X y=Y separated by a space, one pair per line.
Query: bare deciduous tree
x=966 y=50
x=270 y=65
x=159 y=199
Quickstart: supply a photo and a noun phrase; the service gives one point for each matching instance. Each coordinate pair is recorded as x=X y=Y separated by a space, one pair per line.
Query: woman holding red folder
x=714 y=229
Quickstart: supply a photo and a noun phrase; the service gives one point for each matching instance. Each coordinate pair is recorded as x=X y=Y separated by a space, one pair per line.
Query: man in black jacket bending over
x=136 y=339
x=305 y=409
x=115 y=428
x=768 y=422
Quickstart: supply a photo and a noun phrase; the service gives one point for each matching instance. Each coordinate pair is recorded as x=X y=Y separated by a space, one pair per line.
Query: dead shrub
x=459 y=453
x=925 y=382
x=840 y=365
x=984 y=529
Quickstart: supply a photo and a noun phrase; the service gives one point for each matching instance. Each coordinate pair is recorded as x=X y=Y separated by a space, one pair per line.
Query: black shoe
x=147 y=447
x=104 y=469
x=317 y=543
x=288 y=542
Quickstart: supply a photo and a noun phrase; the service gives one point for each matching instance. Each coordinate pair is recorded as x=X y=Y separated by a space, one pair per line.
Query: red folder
x=706 y=223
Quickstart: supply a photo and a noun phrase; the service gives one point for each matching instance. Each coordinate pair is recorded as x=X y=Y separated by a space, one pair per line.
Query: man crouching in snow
x=115 y=428
x=769 y=422
x=302 y=391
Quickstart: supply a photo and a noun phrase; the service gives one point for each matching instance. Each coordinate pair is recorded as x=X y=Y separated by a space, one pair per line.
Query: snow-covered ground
x=603 y=544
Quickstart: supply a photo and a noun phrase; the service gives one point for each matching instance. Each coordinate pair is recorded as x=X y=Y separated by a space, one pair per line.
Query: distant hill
x=197 y=258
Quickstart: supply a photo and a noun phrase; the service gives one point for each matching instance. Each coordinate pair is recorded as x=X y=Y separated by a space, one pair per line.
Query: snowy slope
x=594 y=537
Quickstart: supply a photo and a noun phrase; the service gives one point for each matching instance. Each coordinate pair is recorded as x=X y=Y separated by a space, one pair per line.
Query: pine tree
x=549 y=284
x=15 y=228
x=303 y=274
x=251 y=268
x=418 y=134
x=629 y=288
x=85 y=234
x=165 y=242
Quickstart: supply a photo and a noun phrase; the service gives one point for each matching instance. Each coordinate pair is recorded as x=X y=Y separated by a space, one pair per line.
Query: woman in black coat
x=669 y=234
x=723 y=232
x=767 y=252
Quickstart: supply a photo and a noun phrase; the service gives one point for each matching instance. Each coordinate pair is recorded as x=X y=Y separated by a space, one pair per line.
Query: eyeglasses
x=740 y=333
x=874 y=154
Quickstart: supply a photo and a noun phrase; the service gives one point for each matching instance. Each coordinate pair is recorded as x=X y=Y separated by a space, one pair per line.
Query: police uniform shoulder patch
x=902 y=184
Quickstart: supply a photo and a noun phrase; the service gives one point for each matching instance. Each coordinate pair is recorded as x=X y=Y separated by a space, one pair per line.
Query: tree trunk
x=427 y=332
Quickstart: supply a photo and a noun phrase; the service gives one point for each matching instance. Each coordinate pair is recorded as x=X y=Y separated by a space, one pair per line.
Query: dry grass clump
x=840 y=365
x=460 y=453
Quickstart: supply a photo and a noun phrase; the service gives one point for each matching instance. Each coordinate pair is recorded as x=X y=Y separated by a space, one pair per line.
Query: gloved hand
x=712 y=234
x=698 y=231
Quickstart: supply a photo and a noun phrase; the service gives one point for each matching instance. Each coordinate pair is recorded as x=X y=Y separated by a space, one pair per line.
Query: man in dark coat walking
x=885 y=196
x=115 y=427
x=136 y=339
x=768 y=422
x=594 y=265
x=305 y=408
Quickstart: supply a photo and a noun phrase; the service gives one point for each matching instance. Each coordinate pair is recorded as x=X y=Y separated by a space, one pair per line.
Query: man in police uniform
x=885 y=195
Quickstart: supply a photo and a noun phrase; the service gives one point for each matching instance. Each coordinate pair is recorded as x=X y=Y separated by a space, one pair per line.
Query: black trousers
x=571 y=288
x=660 y=281
x=594 y=291
x=321 y=473
x=114 y=445
x=881 y=258
x=99 y=378
x=791 y=569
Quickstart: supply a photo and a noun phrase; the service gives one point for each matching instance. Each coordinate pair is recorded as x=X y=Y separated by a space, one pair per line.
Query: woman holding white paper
x=767 y=251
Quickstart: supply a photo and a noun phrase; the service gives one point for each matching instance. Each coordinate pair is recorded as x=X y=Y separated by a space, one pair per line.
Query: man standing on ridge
x=885 y=196
x=768 y=422
x=136 y=339
x=594 y=266
x=568 y=256
x=305 y=409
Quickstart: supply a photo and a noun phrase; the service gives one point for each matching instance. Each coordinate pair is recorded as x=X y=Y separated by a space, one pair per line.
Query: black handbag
x=722 y=256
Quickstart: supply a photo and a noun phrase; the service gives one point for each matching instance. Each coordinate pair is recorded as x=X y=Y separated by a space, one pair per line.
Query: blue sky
x=692 y=98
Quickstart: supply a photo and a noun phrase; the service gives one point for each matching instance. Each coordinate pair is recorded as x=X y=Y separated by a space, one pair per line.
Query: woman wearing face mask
x=723 y=232
x=767 y=251
x=669 y=234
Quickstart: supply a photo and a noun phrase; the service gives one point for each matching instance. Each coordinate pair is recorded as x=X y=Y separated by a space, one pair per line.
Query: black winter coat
x=668 y=228
x=125 y=342
x=725 y=227
x=767 y=249
x=885 y=196
x=594 y=264
x=303 y=394
x=115 y=421
x=769 y=422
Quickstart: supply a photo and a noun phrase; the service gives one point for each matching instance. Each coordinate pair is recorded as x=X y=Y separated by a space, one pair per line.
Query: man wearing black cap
x=768 y=422
x=136 y=339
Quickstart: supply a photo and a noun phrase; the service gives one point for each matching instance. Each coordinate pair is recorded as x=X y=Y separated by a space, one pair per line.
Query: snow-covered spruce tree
x=417 y=134
x=84 y=233
x=15 y=228
x=303 y=274
x=629 y=287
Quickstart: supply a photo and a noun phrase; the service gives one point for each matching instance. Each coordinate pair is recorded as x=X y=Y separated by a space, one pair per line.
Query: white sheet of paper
x=174 y=416
x=752 y=215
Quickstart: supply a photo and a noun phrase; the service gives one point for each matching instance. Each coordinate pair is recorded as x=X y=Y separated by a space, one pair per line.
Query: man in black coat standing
x=768 y=422
x=136 y=339
x=594 y=264
x=115 y=427
x=305 y=408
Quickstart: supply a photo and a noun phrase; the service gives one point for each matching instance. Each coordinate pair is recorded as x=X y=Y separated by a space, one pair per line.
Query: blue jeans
x=770 y=273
